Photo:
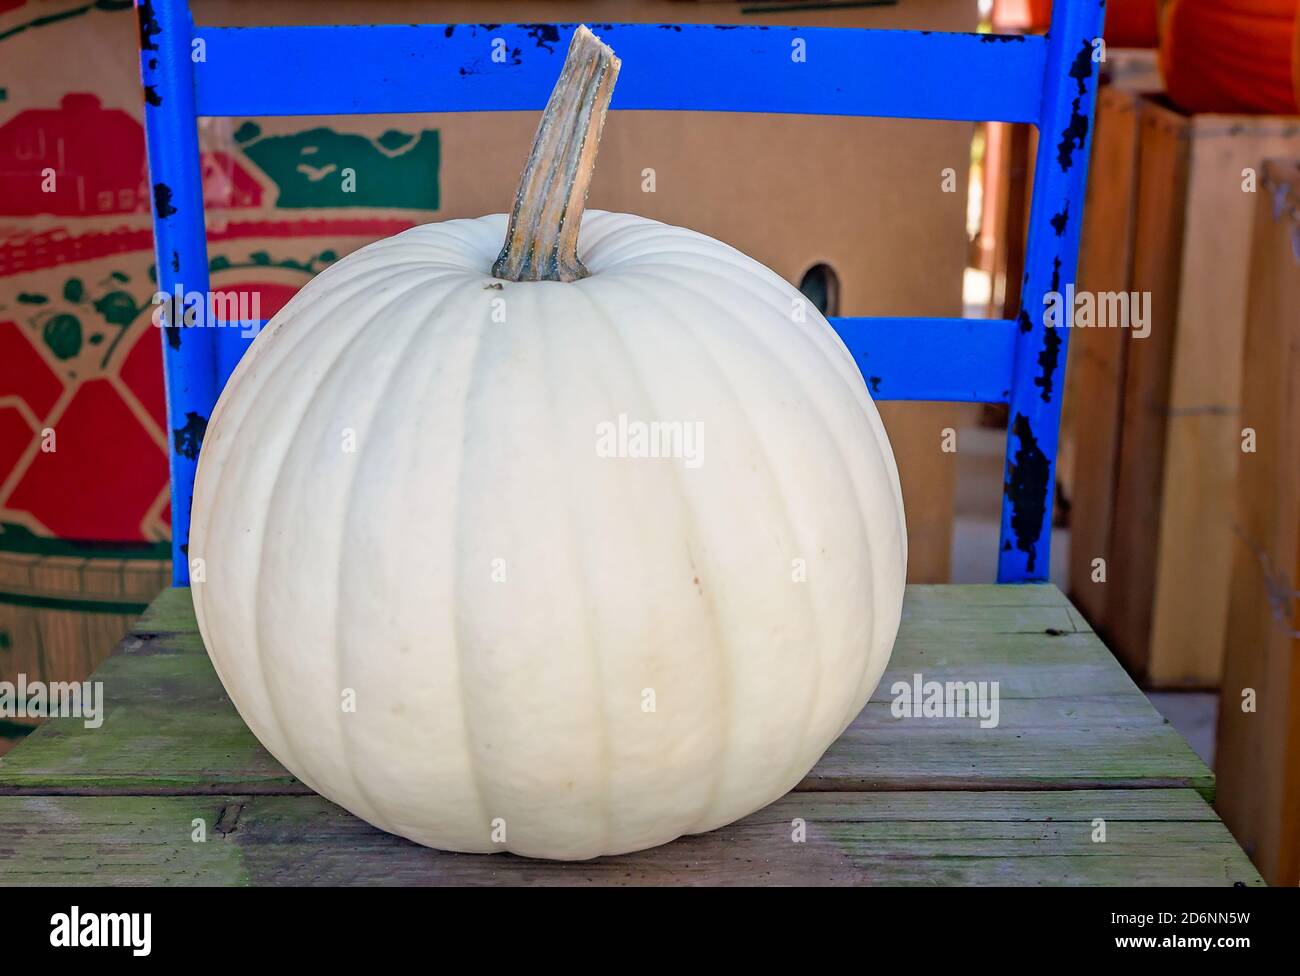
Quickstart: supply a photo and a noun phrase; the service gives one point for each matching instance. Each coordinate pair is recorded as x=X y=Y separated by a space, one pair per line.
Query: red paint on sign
x=102 y=477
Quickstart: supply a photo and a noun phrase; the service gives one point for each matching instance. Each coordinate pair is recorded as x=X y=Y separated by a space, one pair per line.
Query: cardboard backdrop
x=83 y=430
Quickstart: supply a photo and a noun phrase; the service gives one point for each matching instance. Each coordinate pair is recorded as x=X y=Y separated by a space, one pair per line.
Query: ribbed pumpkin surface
x=402 y=503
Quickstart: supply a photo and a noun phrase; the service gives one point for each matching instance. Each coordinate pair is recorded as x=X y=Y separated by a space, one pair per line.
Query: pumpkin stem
x=542 y=240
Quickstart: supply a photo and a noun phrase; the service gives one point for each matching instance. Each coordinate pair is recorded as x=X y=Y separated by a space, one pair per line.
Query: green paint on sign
x=20 y=539
x=324 y=168
x=393 y=140
x=261 y=259
x=62 y=334
x=117 y=307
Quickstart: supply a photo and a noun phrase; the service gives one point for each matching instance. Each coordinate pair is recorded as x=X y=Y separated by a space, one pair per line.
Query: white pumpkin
x=438 y=601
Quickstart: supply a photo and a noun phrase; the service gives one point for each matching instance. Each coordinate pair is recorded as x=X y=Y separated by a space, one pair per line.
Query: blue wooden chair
x=1048 y=81
x=1018 y=801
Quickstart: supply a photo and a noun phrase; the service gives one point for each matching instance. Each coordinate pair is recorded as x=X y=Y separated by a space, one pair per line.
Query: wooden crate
x=1160 y=415
x=1259 y=751
x=1095 y=378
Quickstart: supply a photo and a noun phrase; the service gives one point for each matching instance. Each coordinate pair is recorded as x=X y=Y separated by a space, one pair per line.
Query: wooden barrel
x=64 y=605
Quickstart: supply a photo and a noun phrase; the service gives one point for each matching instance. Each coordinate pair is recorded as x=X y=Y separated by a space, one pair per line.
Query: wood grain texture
x=62 y=615
x=1203 y=444
x=924 y=801
x=1130 y=579
x=1095 y=398
x=1165 y=526
x=1259 y=749
x=1152 y=837
x=1069 y=718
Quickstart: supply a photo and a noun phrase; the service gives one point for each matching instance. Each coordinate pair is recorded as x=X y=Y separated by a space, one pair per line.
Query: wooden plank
x=1098 y=356
x=924 y=600
x=1041 y=744
x=1007 y=186
x=1163 y=606
x=1068 y=716
x=1152 y=837
x=1023 y=152
x=1130 y=572
x=995 y=179
x=1259 y=749
x=1202 y=448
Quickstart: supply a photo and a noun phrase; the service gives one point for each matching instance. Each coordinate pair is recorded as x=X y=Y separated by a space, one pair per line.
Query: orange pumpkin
x=1231 y=55
x=1295 y=58
x=1129 y=23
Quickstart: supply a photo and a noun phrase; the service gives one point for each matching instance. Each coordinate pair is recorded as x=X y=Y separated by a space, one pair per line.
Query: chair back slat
x=962 y=360
x=1051 y=258
x=511 y=67
x=966 y=360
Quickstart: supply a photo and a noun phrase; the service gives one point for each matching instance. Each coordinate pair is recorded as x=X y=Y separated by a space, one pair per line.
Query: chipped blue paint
x=1049 y=82
x=179 y=246
x=1056 y=213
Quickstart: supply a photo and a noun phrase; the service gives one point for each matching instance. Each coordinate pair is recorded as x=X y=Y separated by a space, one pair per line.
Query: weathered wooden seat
x=1080 y=782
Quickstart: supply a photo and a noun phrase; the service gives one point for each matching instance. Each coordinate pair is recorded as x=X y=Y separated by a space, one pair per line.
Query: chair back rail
x=695 y=67
x=1048 y=81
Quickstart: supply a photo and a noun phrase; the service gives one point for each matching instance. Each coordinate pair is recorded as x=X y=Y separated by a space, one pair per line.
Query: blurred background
x=1178 y=496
